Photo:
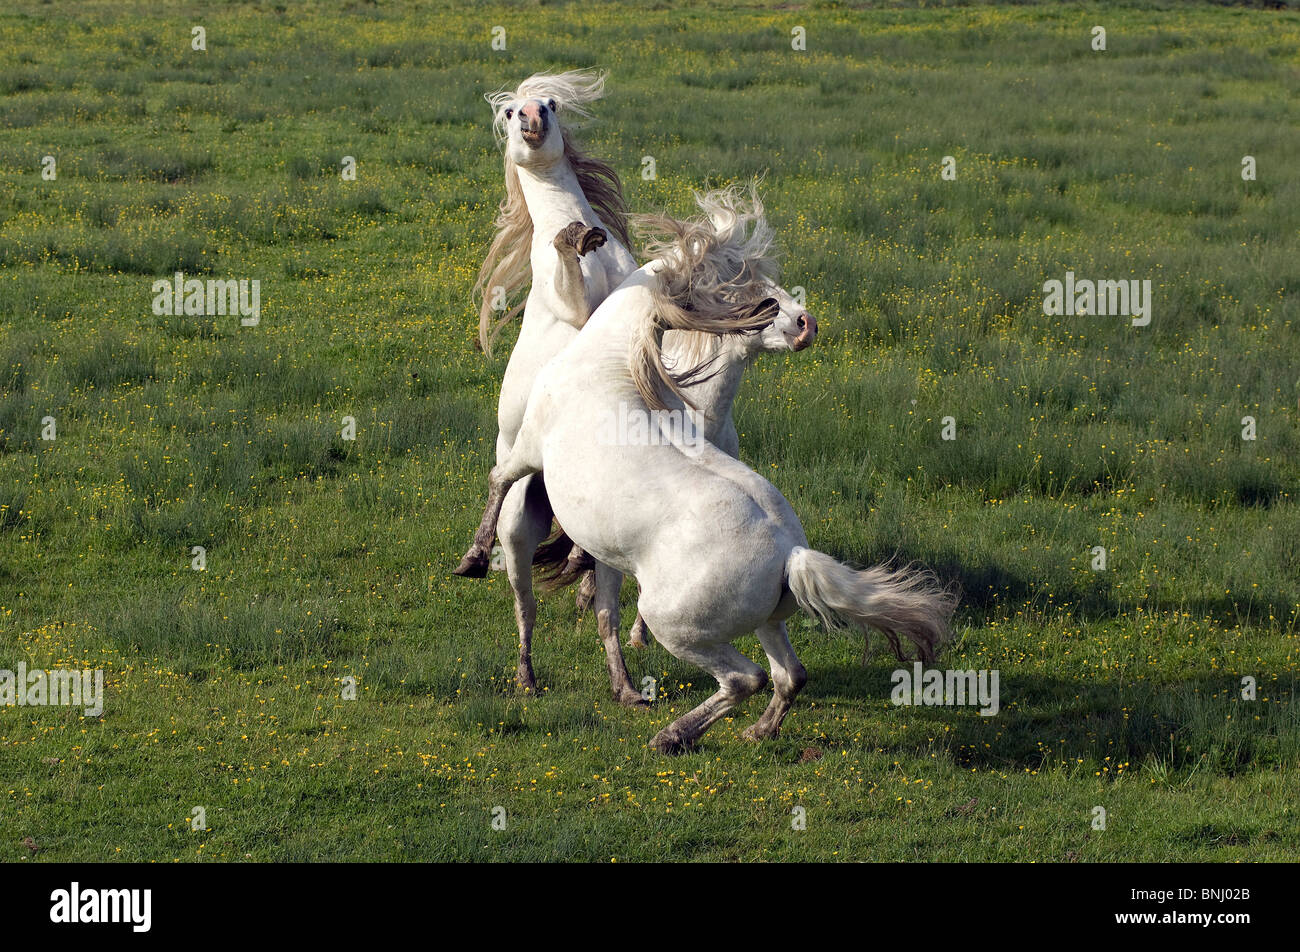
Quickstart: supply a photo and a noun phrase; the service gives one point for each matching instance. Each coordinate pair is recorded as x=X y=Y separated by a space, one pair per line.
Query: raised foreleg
x=569 y=299
x=517 y=465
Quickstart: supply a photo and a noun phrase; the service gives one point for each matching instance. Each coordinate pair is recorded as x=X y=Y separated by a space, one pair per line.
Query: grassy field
x=329 y=559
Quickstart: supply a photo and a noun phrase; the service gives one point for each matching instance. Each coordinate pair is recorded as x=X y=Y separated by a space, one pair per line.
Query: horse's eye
x=551 y=103
x=509 y=113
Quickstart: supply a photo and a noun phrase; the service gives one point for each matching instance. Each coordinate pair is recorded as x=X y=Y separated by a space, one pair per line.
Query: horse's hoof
x=630 y=698
x=579 y=562
x=528 y=685
x=593 y=239
x=570 y=236
x=473 y=565
x=755 y=733
x=580 y=238
x=636 y=638
x=668 y=741
x=586 y=592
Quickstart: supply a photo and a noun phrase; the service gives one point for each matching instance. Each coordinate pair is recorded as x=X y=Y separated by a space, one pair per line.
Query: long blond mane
x=714 y=278
x=508 y=264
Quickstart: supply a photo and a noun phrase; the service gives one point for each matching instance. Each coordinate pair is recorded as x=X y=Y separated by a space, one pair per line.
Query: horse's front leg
x=474 y=564
x=568 y=287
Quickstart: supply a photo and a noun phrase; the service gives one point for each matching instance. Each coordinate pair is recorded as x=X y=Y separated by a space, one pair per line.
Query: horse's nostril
x=801 y=323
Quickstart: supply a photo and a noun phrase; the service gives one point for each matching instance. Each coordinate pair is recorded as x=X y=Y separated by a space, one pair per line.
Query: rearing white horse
x=717 y=549
x=553 y=228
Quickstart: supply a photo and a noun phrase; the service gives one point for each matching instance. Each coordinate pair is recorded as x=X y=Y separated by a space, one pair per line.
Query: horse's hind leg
x=608 y=583
x=586 y=591
x=737 y=677
x=788 y=678
x=525 y=520
x=639 y=636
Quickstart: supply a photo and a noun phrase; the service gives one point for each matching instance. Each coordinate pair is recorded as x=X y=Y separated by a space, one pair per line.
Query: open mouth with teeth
x=533 y=137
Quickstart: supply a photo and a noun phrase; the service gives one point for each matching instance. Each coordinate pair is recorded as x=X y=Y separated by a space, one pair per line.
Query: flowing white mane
x=715 y=277
x=572 y=91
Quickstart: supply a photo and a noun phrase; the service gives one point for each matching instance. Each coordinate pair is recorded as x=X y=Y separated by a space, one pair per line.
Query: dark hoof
x=473 y=565
x=527 y=685
x=630 y=698
x=668 y=741
x=580 y=238
x=593 y=239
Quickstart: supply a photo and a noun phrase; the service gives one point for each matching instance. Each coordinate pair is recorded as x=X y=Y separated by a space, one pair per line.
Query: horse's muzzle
x=807 y=325
x=533 y=124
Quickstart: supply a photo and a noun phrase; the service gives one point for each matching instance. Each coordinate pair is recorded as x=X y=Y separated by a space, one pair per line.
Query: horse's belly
x=599 y=510
x=638 y=508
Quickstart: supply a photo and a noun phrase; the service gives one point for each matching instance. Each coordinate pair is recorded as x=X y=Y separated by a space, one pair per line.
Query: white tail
x=895 y=602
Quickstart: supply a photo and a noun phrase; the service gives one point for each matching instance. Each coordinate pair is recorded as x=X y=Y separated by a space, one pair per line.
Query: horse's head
x=714 y=275
x=533 y=137
x=792 y=329
x=527 y=119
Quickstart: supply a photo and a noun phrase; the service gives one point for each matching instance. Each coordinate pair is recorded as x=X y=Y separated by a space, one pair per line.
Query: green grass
x=329 y=559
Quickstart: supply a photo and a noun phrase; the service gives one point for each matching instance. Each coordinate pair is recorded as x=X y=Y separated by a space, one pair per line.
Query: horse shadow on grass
x=1044 y=721
x=988 y=590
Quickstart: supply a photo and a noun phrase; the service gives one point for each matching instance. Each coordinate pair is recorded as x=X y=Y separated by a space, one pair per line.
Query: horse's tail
x=901 y=603
x=553 y=567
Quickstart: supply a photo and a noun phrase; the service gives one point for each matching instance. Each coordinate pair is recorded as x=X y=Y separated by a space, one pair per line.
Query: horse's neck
x=715 y=395
x=554 y=199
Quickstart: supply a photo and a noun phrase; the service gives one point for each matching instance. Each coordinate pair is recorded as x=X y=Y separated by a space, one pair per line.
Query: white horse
x=716 y=548
x=727 y=357
x=554 y=229
x=715 y=364
x=719 y=363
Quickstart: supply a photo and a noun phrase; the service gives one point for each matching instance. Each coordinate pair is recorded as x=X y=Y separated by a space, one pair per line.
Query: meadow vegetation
x=329 y=559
